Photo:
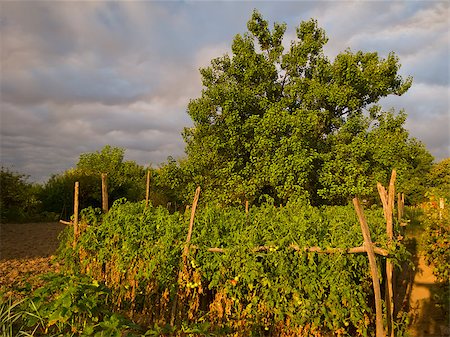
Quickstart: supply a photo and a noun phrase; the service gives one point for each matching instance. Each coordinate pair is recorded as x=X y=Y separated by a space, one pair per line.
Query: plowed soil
x=26 y=250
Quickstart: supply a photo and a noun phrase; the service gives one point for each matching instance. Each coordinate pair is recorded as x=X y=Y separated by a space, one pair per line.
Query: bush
x=74 y=305
x=18 y=197
x=437 y=244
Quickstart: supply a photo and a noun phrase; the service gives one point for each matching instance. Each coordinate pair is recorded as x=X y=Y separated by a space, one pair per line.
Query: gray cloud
x=72 y=84
x=76 y=76
x=428 y=120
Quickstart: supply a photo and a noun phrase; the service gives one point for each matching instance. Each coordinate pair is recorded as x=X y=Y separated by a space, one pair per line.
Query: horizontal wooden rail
x=352 y=250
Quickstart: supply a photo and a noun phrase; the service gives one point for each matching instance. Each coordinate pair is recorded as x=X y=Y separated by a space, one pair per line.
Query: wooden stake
x=387 y=199
x=147 y=190
x=389 y=266
x=399 y=207
x=191 y=222
x=384 y=199
x=246 y=206
x=402 y=202
x=185 y=253
x=75 y=214
x=441 y=207
x=104 y=193
x=390 y=209
x=373 y=268
x=389 y=298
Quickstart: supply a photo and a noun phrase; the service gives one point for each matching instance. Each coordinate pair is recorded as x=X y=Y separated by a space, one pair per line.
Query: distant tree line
x=22 y=201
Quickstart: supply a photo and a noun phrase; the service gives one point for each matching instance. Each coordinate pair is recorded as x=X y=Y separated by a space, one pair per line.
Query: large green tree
x=283 y=124
x=125 y=178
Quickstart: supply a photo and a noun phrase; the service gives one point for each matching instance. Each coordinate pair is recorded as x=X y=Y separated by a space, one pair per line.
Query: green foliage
x=170 y=183
x=366 y=150
x=18 y=198
x=58 y=192
x=290 y=124
x=437 y=237
x=124 y=178
x=272 y=290
x=439 y=178
x=437 y=244
x=64 y=306
x=10 y=316
x=138 y=243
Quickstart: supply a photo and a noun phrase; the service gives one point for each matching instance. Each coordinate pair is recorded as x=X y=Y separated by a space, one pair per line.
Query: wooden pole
x=104 y=193
x=185 y=252
x=191 y=221
x=384 y=198
x=75 y=214
x=441 y=207
x=373 y=268
x=389 y=265
x=147 y=190
x=402 y=201
x=390 y=209
x=246 y=206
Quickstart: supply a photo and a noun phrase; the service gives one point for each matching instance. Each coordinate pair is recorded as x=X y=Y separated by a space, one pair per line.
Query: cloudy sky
x=78 y=75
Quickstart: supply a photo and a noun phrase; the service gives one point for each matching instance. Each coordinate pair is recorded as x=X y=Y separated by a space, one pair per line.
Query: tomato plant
x=254 y=283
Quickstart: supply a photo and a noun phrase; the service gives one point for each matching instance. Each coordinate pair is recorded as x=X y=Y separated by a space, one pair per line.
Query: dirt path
x=427 y=319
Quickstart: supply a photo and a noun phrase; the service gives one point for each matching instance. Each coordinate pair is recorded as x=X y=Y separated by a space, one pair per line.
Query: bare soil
x=26 y=250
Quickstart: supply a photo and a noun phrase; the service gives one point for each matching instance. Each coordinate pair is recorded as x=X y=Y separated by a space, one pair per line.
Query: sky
x=78 y=75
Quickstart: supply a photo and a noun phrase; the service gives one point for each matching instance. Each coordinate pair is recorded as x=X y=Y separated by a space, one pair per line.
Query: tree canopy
x=290 y=124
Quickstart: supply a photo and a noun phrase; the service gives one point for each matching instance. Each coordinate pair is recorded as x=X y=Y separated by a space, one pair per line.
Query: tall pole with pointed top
x=373 y=268
x=75 y=213
x=147 y=191
x=104 y=193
